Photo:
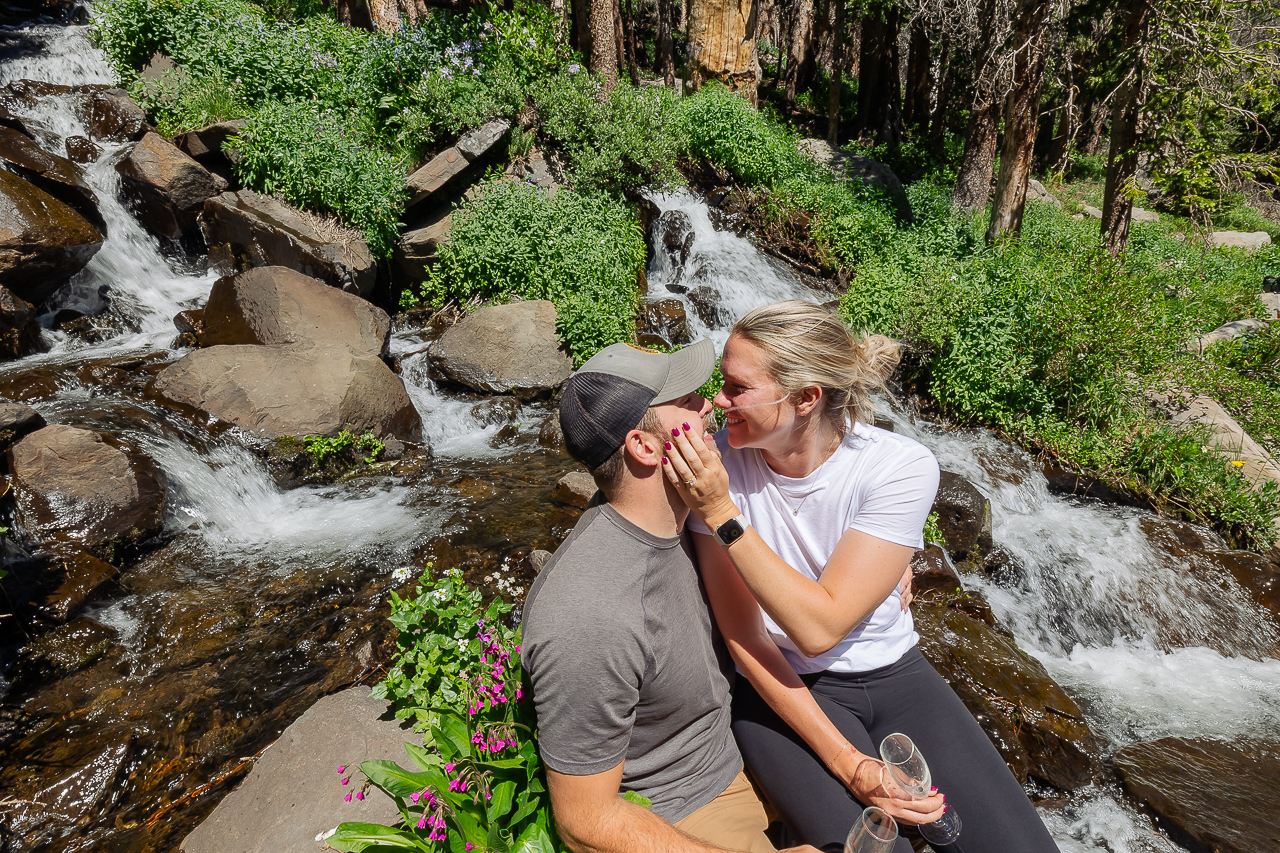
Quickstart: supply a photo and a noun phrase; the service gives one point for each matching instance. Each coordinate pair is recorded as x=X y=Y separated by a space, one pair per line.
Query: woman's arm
x=753 y=650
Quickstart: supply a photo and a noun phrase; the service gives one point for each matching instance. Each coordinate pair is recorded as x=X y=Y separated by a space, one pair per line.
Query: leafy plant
x=932 y=532
x=321 y=448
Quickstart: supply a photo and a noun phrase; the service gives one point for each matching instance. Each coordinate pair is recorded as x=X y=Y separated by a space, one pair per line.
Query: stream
x=256 y=600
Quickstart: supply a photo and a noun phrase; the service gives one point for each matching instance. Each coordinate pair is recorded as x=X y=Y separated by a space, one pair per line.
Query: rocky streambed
x=185 y=579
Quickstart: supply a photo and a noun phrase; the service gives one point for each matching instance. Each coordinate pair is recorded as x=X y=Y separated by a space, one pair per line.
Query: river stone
x=504 y=349
x=82 y=149
x=60 y=652
x=675 y=233
x=1037 y=728
x=17 y=420
x=42 y=240
x=575 y=489
x=550 y=434
x=78 y=794
x=74 y=488
x=1212 y=795
x=294 y=795
x=259 y=231
x=57 y=176
x=416 y=250
x=110 y=115
x=276 y=305
x=538 y=560
x=931 y=570
x=295 y=390
x=19 y=331
x=85 y=575
x=166 y=188
x=1247 y=240
x=662 y=323
x=964 y=516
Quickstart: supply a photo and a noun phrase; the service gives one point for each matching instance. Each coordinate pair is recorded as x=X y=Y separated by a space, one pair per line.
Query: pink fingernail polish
x=686 y=427
x=944 y=809
x=664 y=459
x=933 y=790
x=667 y=445
x=675 y=431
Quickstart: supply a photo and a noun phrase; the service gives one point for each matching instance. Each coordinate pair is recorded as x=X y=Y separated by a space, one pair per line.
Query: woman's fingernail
x=664 y=459
x=675 y=432
x=667 y=445
x=933 y=790
x=944 y=809
x=686 y=427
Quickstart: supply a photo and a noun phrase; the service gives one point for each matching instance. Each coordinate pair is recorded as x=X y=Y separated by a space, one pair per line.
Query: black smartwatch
x=731 y=531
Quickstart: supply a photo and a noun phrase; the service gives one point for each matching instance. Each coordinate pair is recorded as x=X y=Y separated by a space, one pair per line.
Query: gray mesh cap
x=608 y=396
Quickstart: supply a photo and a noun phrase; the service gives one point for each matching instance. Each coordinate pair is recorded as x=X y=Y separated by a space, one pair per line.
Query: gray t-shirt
x=618 y=644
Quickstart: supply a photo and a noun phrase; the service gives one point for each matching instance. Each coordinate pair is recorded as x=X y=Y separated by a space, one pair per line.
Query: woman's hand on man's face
x=694 y=467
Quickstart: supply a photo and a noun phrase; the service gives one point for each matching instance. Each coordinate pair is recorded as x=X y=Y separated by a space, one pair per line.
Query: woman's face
x=766 y=408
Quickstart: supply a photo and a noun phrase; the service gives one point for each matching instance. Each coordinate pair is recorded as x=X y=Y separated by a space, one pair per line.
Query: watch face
x=730 y=531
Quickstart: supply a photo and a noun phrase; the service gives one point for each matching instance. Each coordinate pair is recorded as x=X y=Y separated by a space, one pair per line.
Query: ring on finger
x=691 y=481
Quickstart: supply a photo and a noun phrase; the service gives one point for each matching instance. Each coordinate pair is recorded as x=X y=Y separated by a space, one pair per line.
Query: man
x=631 y=691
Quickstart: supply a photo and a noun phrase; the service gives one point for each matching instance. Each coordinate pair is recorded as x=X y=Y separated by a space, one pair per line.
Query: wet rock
x=504 y=349
x=964 y=516
x=60 y=652
x=1037 y=192
x=416 y=250
x=189 y=325
x=19 y=331
x=497 y=412
x=551 y=435
x=85 y=575
x=82 y=149
x=675 y=235
x=294 y=390
x=88 y=788
x=43 y=241
x=74 y=488
x=292 y=794
x=207 y=147
x=1211 y=795
x=17 y=420
x=57 y=176
x=575 y=489
x=538 y=560
x=707 y=305
x=931 y=571
x=1247 y=240
x=1255 y=572
x=37 y=383
x=855 y=167
x=256 y=231
x=1040 y=732
x=452 y=162
x=393 y=449
x=663 y=323
x=277 y=305
x=166 y=188
x=110 y=115
x=1004 y=568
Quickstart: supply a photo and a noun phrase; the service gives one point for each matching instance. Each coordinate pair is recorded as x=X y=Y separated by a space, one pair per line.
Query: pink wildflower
x=448 y=768
x=346 y=780
x=341 y=767
x=359 y=795
x=347 y=798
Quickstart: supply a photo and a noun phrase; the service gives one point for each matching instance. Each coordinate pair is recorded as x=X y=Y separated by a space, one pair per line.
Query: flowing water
x=257 y=600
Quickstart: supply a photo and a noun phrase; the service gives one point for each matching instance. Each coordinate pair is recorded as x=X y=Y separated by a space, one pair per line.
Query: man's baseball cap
x=608 y=396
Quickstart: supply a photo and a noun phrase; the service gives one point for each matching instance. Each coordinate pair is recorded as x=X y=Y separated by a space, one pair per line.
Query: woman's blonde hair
x=806 y=345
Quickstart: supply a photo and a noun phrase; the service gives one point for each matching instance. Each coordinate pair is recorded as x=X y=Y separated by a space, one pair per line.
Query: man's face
x=689 y=409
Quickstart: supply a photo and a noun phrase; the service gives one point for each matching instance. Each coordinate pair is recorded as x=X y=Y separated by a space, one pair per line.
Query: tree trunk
x=973 y=182
x=604 y=43
x=837 y=71
x=1126 y=133
x=722 y=41
x=1021 y=110
x=666 y=44
x=627 y=35
x=1060 y=150
x=580 y=32
x=799 y=51
x=879 y=89
x=946 y=86
x=915 y=105
x=785 y=13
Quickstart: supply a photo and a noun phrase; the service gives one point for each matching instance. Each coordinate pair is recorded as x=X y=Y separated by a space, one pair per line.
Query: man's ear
x=808 y=400
x=644 y=448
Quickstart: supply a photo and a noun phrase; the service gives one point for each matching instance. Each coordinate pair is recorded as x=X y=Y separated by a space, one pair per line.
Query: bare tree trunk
x=604 y=43
x=879 y=88
x=1021 y=110
x=973 y=183
x=627 y=27
x=915 y=105
x=800 y=51
x=946 y=86
x=722 y=41
x=837 y=71
x=666 y=45
x=785 y=13
x=580 y=32
x=1068 y=126
x=1126 y=133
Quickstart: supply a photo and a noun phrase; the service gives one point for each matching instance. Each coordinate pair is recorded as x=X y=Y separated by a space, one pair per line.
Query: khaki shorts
x=735 y=820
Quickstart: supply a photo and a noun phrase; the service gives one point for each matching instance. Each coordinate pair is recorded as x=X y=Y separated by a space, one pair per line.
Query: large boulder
x=1210 y=794
x=109 y=114
x=57 y=176
x=166 y=188
x=253 y=230
x=42 y=240
x=74 y=488
x=964 y=516
x=870 y=172
x=276 y=305
x=452 y=162
x=663 y=323
x=1247 y=240
x=504 y=349
x=294 y=390
x=1037 y=192
x=205 y=146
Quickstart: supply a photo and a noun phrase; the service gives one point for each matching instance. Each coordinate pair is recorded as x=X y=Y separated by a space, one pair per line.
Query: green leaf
x=394 y=779
x=500 y=803
x=355 y=837
x=454 y=731
x=422 y=757
x=638 y=798
x=534 y=840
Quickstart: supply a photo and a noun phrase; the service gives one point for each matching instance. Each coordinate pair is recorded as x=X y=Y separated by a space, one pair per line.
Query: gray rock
x=1247 y=240
x=57 y=176
x=258 y=231
x=74 y=488
x=504 y=349
x=1225 y=332
x=206 y=143
x=576 y=488
x=416 y=250
x=166 y=188
x=295 y=390
x=538 y=560
x=1140 y=215
x=1037 y=192
x=43 y=241
x=478 y=142
x=293 y=795
x=452 y=162
x=1092 y=212
x=1270 y=305
x=856 y=167
x=964 y=516
x=277 y=305
x=1226 y=436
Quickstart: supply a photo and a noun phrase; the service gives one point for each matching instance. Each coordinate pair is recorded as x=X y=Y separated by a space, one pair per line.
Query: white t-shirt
x=877 y=482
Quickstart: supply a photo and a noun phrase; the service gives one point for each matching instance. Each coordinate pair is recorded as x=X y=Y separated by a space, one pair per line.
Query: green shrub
x=582 y=252
x=179 y=102
x=722 y=127
x=307 y=157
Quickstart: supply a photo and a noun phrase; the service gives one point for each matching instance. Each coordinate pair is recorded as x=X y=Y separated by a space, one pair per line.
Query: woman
x=822 y=514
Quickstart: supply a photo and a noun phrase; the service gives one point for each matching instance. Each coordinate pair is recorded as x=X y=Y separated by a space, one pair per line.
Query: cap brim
x=691 y=367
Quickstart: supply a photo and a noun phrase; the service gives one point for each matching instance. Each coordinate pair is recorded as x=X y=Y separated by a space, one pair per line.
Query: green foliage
x=478 y=781
x=722 y=127
x=320 y=448
x=1255 y=354
x=932 y=532
x=309 y=158
x=179 y=102
x=582 y=252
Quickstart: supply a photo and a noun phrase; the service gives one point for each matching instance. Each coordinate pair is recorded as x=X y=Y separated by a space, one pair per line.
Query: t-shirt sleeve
x=896 y=508
x=586 y=685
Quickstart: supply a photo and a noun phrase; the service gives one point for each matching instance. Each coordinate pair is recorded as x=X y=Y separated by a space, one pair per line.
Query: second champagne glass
x=873 y=832
x=907 y=767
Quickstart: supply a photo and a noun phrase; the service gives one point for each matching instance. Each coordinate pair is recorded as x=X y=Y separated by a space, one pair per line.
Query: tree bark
x=799 y=51
x=915 y=105
x=1126 y=133
x=1060 y=150
x=580 y=31
x=1021 y=110
x=666 y=44
x=604 y=43
x=879 y=89
x=946 y=86
x=973 y=182
x=626 y=38
x=837 y=72
x=722 y=41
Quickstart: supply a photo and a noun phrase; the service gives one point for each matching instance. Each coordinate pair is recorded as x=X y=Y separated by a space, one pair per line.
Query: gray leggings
x=909 y=697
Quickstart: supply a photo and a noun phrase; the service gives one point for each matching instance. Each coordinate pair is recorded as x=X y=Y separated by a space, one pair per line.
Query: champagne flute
x=873 y=832
x=907 y=767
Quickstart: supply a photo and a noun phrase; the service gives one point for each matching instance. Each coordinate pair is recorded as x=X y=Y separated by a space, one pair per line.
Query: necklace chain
x=796 y=509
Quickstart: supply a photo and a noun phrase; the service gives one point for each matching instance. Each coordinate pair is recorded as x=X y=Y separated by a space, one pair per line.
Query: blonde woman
x=806 y=520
